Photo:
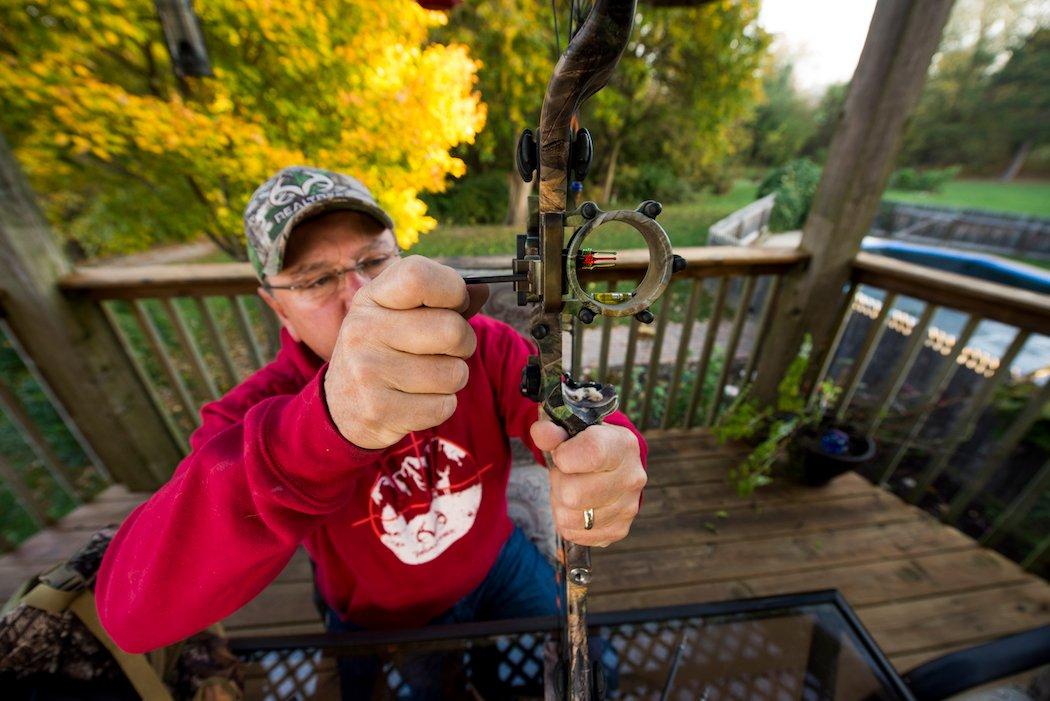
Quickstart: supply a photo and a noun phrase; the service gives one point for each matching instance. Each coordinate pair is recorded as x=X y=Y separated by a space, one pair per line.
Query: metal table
x=807 y=646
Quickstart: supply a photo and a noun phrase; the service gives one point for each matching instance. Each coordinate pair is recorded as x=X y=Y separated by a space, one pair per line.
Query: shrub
x=473 y=199
x=794 y=183
x=912 y=179
x=650 y=181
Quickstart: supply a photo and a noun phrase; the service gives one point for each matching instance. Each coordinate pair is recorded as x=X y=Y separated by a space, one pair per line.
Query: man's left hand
x=598 y=469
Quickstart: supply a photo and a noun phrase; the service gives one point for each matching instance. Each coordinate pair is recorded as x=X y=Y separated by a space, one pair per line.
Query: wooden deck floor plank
x=660 y=500
x=281 y=603
x=706 y=468
x=677 y=529
x=900 y=580
x=939 y=621
x=871 y=584
x=772 y=556
x=117 y=492
x=96 y=515
x=678 y=442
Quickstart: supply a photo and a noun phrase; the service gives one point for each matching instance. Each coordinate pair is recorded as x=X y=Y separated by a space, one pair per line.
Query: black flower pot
x=816 y=467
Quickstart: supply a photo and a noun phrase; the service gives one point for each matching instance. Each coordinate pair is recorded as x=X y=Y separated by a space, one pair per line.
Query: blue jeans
x=519 y=585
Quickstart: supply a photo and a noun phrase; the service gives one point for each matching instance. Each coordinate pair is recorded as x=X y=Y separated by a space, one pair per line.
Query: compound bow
x=547 y=271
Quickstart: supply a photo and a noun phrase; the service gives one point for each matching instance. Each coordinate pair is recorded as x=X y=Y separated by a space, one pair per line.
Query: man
x=378 y=438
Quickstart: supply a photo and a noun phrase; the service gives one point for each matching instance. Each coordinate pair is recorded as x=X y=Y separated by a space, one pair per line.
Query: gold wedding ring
x=588 y=519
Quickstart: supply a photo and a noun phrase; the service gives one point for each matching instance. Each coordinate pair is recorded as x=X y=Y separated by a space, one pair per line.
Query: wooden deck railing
x=190 y=331
x=180 y=325
x=930 y=363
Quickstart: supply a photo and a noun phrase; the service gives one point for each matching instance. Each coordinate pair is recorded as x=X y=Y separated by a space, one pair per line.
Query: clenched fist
x=400 y=356
x=600 y=469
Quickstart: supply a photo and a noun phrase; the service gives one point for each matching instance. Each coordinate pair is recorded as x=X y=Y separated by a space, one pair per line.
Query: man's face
x=317 y=249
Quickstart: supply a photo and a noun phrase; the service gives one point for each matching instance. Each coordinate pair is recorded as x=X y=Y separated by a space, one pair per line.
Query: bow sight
x=574 y=303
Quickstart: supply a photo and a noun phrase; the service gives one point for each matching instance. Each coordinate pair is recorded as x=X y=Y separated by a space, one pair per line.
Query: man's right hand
x=400 y=356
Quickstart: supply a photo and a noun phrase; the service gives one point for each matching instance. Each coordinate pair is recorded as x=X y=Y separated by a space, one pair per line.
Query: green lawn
x=686 y=223
x=1024 y=197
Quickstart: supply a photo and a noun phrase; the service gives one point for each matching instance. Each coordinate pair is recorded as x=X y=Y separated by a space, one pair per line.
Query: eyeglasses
x=325 y=285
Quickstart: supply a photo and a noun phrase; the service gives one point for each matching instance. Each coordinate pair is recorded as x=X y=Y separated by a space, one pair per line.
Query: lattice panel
x=721 y=660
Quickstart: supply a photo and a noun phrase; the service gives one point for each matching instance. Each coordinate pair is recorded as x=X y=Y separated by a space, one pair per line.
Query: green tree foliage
x=682 y=92
x=826 y=119
x=784 y=121
x=515 y=44
x=795 y=184
x=973 y=112
x=1020 y=95
x=125 y=155
x=513 y=40
x=688 y=75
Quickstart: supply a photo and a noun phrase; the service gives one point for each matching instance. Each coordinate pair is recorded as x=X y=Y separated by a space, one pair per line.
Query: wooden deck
x=921 y=588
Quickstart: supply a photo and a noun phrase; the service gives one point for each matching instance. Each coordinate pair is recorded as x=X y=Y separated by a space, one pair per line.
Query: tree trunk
x=1018 y=162
x=518 y=192
x=610 y=172
x=885 y=88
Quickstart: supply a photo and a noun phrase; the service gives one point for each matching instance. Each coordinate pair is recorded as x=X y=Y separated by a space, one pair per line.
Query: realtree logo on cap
x=292 y=195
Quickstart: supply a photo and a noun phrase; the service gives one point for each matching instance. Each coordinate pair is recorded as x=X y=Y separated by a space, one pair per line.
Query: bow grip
x=576 y=405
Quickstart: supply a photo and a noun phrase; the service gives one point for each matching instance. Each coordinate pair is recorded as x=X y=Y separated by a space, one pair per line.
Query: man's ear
x=275 y=304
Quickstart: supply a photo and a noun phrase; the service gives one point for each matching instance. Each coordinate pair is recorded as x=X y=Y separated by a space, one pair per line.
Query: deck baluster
x=654 y=358
x=1033 y=558
x=245 y=326
x=272 y=325
x=863 y=359
x=1019 y=507
x=149 y=330
x=964 y=426
x=627 y=382
x=218 y=341
x=743 y=302
x=33 y=508
x=56 y=404
x=899 y=374
x=762 y=327
x=189 y=344
x=174 y=430
x=17 y=414
x=1032 y=412
x=705 y=354
x=695 y=290
x=844 y=314
x=940 y=383
x=603 y=353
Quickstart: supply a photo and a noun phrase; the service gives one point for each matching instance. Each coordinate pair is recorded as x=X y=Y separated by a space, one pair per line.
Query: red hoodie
x=398 y=535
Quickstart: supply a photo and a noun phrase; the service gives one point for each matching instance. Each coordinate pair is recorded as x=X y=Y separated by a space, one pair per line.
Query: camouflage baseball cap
x=292 y=195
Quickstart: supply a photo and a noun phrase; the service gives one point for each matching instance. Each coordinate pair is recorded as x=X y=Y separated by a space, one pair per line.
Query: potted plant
x=796 y=430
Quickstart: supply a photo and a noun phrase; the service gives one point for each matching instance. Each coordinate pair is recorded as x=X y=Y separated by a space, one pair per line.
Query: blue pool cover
x=985 y=267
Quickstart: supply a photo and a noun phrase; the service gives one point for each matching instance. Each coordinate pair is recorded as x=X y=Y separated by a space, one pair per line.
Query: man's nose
x=349 y=283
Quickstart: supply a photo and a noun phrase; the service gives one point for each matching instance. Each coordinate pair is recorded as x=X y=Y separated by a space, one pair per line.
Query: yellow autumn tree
x=125 y=155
